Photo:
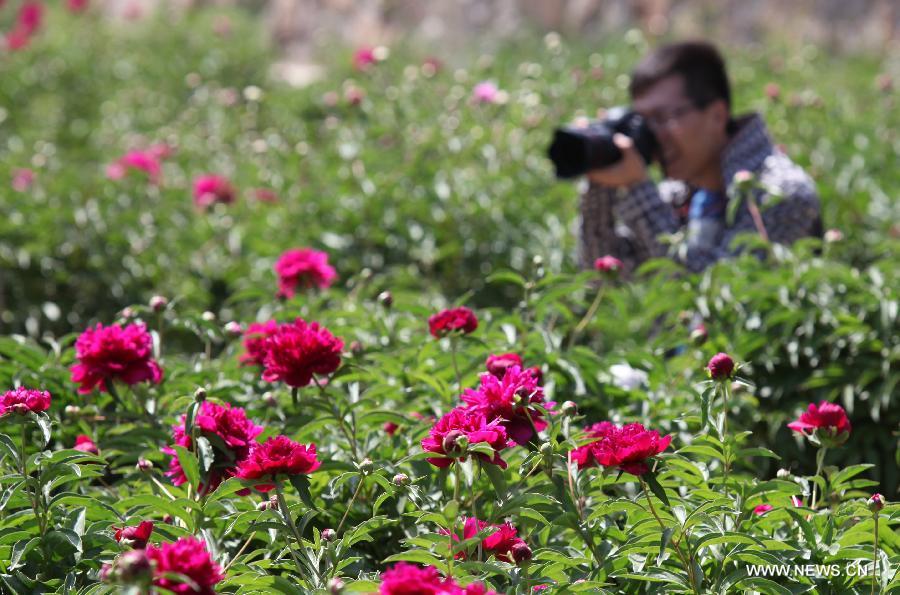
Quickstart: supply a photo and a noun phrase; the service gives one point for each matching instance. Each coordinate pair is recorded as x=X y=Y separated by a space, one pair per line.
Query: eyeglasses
x=666 y=119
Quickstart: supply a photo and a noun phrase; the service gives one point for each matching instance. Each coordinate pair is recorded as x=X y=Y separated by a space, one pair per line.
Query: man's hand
x=626 y=172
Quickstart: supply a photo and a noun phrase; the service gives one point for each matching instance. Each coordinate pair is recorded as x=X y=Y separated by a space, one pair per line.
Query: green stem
x=589 y=315
x=286 y=514
x=875 y=556
x=820 y=464
x=455 y=366
x=350 y=505
x=33 y=490
x=295 y=396
x=726 y=446
x=676 y=543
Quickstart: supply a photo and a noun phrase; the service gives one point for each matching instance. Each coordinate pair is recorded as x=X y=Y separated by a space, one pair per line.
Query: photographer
x=682 y=93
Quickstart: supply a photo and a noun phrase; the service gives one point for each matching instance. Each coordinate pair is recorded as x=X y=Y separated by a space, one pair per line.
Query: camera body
x=576 y=150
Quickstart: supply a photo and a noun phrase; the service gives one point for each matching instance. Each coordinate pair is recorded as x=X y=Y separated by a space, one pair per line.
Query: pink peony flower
x=409 y=579
x=509 y=399
x=84 y=443
x=76 y=5
x=229 y=431
x=255 y=342
x=827 y=422
x=720 y=367
x=485 y=92
x=461 y=427
x=627 y=448
x=22 y=179
x=499 y=542
x=114 y=353
x=278 y=456
x=363 y=58
x=210 y=189
x=498 y=364
x=31 y=15
x=762 y=509
x=296 y=351
x=608 y=264
x=187 y=556
x=144 y=161
x=304 y=268
x=136 y=537
x=24 y=400
x=455 y=319
x=17 y=39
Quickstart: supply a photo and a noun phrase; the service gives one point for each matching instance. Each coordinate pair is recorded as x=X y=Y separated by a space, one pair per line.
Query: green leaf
x=189 y=465
x=663 y=543
x=495 y=474
x=757 y=451
x=656 y=488
x=420 y=556
x=43 y=422
x=207 y=455
x=301 y=484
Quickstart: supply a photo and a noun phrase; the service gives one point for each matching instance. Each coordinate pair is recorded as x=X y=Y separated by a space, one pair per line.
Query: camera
x=574 y=151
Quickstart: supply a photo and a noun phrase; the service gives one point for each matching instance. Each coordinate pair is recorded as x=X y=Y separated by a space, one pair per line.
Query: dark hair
x=698 y=62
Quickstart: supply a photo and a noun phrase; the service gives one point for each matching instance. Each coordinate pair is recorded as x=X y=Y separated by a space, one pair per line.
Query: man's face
x=690 y=138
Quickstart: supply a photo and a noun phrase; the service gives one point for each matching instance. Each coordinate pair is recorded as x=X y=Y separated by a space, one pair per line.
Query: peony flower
x=304 y=268
x=499 y=542
x=486 y=92
x=108 y=353
x=265 y=195
x=363 y=58
x=390 y=428
x=187 y=556
x=455 y=319
x=255 y=342
x=22 y=179
x=461 y=427
x=278 y=456
x=136 y=537
x=231 y=435
x=720 y=367
x=608 y=264
x=143 y=161
x=296 y=351
x=826 y=422
x=409 y=579
x=210 y=189
x=84 y=443
x=509 y=399
x=24 y=400
x=76 y=5
x=132 y=568
x=627 y=448
x=762 y=509
x=498 y=364
x=17 y=39
x=31 y=15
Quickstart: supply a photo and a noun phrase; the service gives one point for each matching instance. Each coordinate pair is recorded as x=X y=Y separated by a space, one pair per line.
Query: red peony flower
x=409 y=579
x=304 y=268
x=390 y=428
x=499 y=542
x=509 y=399
x=84 y=443
x=210 y=189
x=144 y=161
x=461 y=427
x=626 y=448
x=827 y=422
x=187 y=556
x=136 y=537
x=720 y=367
x=231 y=435
x=296 y=351
x=762 y=509
x=24 y=400
x=114 y=353
x=608 y=264
x=455 y=319
x=278 y=456
x=255 y=342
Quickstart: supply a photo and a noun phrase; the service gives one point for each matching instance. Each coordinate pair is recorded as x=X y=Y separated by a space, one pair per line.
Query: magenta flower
x=461 y=427
x=628 y=448
x=762 y=509
x=296 y=351
x=500 y=542
x=24 y=400
x=108 y=353
x=22 y=179
x=255 y=342
x=720 y=367
x=142 y=161
x=455 y=319
x=137 y=537
x=363 y=58
x=187 y=556
x=486 y=92
x=509 y=399
x=210 y=189
x=608 y=264
x=828 y=422
x=84 y=443
x=278 y=456
x=303 y=268
x=409 y=579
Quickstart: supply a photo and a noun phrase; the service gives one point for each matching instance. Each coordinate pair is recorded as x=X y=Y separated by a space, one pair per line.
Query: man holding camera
x=681 y=91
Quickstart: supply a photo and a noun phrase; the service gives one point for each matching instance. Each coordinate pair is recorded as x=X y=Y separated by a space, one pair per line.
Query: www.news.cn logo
x=812 y=570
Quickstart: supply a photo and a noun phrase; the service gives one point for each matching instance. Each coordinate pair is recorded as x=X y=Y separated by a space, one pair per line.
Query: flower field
x=261 y=339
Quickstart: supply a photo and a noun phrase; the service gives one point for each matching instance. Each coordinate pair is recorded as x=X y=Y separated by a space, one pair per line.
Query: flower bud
x=270 y=504
x=336 y=586
x=143 y=465
x=783 y=474
x=546 y=450
x=875 y=503
x=366 y=466
x=569 y=408
x=200 y=395
x=169 y=519
x=455 y=444
x=208 y=316
x=127 y=312
x=133 y=567
x=720 y=367
x=356 y=347
x=73 y=410
x=158 y=303
x=234 y=328
x=521 y=553
x=270 y=399
x=833 y=235
x=699 y=335
x=386 y=299
x=401 y=479
x=328 y=535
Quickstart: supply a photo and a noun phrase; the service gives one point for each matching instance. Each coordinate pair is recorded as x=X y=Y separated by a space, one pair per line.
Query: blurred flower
x=509 y=399
x=628 y=378
x=137 y=536
x=762 y=509
x=230 y=433
x=158 y=303
x=266 y=195
x=521 y=553
x=234 y=328
x=187 y=556
x=210 y=189
x=222 y=26
x=144 y=161
x=743 y=177
x=826 y=422
x=885 y=83
x=31 y=15
x=486 y=92
x=720 y=367
x=22 y=179
x=475 y=428
x=84 y=443
x=699 y=335
x=278 y=456
x=409 y=579
x=498 y=542
x=498 y=364
x=627 y=448
x=108 y=353
x=431 y=66
x=296 y=351
x=132 y=568
x=363 y=58
x=303 y=268
x=833 y=235
x=76 y=5
x=608 y=264
x=23 y=400
x=455 y=319
x=773 y=91
x=390 y=428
